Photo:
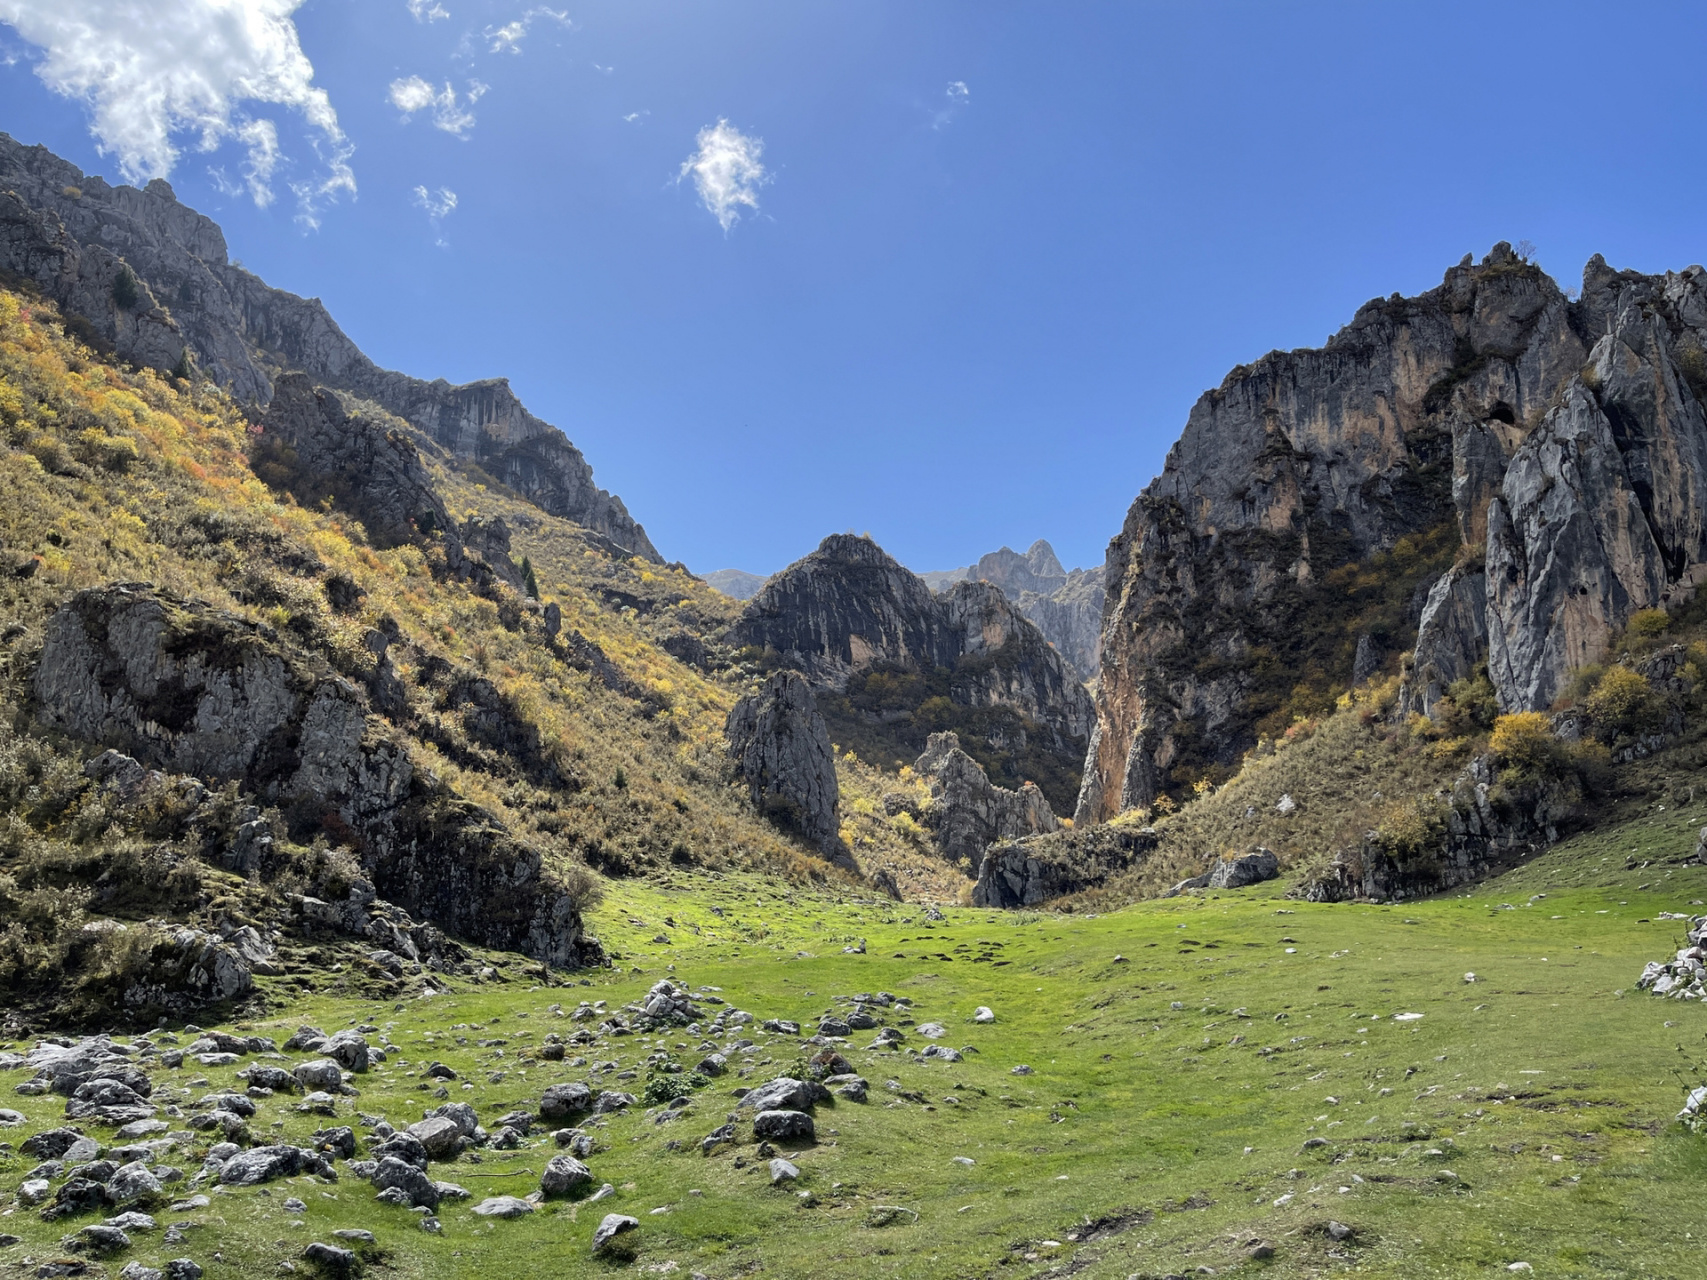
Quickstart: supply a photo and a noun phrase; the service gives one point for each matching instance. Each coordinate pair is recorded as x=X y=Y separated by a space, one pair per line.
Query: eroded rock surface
x=781 y=750
x=1491 y=419
x=967 y=813
x=179 y=685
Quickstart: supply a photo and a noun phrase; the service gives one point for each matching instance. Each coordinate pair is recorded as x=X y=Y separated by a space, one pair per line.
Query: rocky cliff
x=1491 y=460
x=152 y=279
x=1065 y=606
x=781 y=751
x=181 y=687
x=893 y=663
x=967 y=814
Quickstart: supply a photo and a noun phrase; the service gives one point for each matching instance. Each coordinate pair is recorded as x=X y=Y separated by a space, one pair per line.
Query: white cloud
x=635 y=117
x=726 y=171
x=450 y=113
x=147 y=76
x=427 y=10
x=439 y=206
x=603 y=69
x=957 y=95
x=508 y=38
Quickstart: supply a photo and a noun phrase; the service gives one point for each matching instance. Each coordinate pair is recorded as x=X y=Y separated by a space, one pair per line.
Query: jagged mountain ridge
x=1066 y=605
x=1316 y=499
x=894 y=662
x=73 y=235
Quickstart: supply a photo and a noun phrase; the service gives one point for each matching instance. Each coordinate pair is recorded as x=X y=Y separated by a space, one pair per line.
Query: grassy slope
x=1548 y=1085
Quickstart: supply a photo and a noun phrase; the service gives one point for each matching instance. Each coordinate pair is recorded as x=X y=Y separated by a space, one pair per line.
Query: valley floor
x=1184 y=1056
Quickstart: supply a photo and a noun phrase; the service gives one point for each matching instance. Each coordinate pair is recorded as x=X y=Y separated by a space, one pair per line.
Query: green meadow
x=1211 y=1079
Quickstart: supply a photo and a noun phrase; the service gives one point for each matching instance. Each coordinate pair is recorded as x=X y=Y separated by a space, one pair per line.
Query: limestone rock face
x=781 y=750
x=1066 y=607
x=1454 y=417
x=332 y=437
x=1452 y=636
x=72 y=233
x=179 y=685
x=845 y=608
x=1571 y=554
x=1019 y=669
x=849 y=608
x=967 y=814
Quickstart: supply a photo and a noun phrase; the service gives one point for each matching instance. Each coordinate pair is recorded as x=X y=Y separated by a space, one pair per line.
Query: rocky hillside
x=265 y=700
x=140 y=274
x=894 y=663
x=1065 y=606
x=737 y=584
x=1490 y=472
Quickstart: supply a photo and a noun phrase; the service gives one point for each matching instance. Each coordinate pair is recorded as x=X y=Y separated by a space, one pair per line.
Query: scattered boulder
x=264 y=1164
x=505 y=1207
x=321 y=1073
x=1233 y=873
x=349 y=1049
x=784 y=1126
x=561 y=1101
x=564 y=1175
x=783 y=1171
x=412 y=1185
x=330 y=1258
x=785 y=1094
x=614 y=1225
x=440 y=1135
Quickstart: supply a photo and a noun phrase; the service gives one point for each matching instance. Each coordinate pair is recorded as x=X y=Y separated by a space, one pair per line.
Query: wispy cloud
x=635 y=117
x=955 y=98
x=451 y=113
x=427 y=10
x=439 y=206
x=147 y=78
x=726 y=171
x=508 y=38
x=603 y=70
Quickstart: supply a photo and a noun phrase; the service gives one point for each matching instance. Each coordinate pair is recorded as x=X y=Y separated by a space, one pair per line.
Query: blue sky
x=997 y=253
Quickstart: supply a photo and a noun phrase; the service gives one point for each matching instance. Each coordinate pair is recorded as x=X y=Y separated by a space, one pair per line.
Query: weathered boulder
x=564 y=1175
x=414 y=1186
x=613 y=1225
x=264 y=1164
x=783 y=1126
x=967 y=813
x=1233 y=873
x=781 y=750
x=440 y=1135
x=1023 y=873
x=785 y=1093
x=563 y=1100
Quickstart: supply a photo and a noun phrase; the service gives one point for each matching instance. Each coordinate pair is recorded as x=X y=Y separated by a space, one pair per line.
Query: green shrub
x=1647 y=623
x=127 y=291
x=1623 y=703
x=1526 y=749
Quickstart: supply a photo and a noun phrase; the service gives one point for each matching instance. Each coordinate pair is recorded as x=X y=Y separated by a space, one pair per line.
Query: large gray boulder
x=781 y=750
x=967 y=813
